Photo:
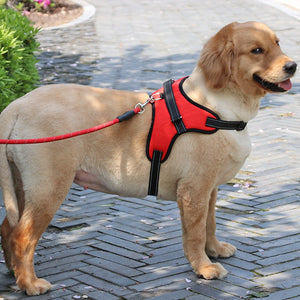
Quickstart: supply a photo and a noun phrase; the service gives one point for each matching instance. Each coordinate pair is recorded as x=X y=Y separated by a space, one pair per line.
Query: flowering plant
x=45 y=3
x=37 y=5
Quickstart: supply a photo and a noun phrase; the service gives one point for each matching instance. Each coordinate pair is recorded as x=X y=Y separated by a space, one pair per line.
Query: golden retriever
x=237 y=67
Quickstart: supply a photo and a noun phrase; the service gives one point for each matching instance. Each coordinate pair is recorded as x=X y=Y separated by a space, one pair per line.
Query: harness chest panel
x=163 y=132
x=172 y=115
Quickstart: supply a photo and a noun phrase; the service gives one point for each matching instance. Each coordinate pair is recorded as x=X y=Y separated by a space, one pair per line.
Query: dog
x=237 y=67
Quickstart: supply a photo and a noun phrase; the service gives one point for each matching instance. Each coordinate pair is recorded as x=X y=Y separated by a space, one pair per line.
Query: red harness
x=172 y=116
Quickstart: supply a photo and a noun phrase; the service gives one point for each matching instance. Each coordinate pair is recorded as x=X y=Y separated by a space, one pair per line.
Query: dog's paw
x=220 y=249
x=37 y=287
x=40 y=286
x=212 y=271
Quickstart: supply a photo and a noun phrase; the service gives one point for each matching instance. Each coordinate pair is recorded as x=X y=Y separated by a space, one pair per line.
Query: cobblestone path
x=102 y=246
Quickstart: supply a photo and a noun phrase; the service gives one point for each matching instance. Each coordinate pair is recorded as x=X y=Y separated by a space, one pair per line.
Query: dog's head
x=246 y=56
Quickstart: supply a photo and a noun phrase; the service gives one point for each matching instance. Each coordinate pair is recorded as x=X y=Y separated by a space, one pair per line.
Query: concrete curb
x=291 y=7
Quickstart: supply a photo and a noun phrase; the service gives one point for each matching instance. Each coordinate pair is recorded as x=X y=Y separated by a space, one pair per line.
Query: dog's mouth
x=279 y=87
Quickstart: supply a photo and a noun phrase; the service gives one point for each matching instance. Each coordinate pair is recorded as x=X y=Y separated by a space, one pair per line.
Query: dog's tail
x=7 y=122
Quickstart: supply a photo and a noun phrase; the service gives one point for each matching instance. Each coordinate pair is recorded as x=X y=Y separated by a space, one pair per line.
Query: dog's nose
x=290 y=67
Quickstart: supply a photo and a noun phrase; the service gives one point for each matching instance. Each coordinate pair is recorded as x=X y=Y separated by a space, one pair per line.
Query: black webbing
x=172 y=107
x=154 y=173
x=226 y=125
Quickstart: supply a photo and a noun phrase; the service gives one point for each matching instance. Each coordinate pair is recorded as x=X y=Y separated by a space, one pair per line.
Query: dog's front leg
x=213 y=247
x=193 y=202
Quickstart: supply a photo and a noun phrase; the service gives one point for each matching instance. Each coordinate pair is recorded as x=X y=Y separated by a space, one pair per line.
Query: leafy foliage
x=18 y=73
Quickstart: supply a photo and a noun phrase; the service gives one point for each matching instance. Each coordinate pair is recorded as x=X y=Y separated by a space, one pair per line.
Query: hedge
x=18 y=46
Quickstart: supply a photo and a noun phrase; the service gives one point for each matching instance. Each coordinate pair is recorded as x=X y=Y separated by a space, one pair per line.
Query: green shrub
x=18 y=73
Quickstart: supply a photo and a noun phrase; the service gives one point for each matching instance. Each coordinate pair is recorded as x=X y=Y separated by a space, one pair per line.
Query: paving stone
x=246 y=256
x=283 y=250
x=236 y=271
x=167 y=230
x=211 y=292
x=123 y=235
x=101 y=285
x=60 y=278
x=292 y=293
x=162 y=272
x=136 y=226
x=238 y=281
x=123 y=243
x=279 y=267
x=150 y=268
x=167 y=242
x=234 y=261
x=172 y=255
x=82 y=291
x=164 y=250
x=124 y=261
x=154 y=284
x=108 y=275
x=235 y=290
x=113 y=266
x=196 y=297
x=282 y=280
x=279 y=258
x=280 y=242
x=173 y=295
x=53 y=263
x=119 y=251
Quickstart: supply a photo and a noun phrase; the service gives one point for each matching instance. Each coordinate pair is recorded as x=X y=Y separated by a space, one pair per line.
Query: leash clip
x=151 y=99
x=141 y=107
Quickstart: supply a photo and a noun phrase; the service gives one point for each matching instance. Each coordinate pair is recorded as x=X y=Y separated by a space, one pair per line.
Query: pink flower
x=45 y=3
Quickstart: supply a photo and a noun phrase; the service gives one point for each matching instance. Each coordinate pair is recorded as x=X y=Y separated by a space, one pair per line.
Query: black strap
x=126 y=116
x=172 y=107
x=154 y=173
x=226 y=125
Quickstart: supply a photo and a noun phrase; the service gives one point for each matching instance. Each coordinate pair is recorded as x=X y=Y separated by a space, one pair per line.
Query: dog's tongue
x=286 y=85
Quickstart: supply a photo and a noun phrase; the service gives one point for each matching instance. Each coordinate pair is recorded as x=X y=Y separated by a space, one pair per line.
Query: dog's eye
x=257 y=51
x=277 y=43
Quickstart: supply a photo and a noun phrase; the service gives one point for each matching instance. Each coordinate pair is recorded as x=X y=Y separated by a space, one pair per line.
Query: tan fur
x=35 y=179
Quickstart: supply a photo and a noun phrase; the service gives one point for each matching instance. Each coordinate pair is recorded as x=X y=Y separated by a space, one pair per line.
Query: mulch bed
x=64 y=12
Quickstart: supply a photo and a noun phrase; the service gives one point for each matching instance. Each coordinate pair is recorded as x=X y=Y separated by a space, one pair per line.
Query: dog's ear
x=216 y=58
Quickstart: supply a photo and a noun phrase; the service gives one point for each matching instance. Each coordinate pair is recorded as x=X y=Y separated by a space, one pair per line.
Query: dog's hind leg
x=193 y=202
x=39 y=210
x=5 y=234
x=6 y=228
x=213 y=247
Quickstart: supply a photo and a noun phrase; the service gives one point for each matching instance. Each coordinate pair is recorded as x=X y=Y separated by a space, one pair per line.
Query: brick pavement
x=106 y=247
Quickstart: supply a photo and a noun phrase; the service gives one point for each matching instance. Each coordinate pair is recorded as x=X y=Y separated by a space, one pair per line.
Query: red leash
x=127 y=115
